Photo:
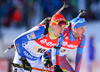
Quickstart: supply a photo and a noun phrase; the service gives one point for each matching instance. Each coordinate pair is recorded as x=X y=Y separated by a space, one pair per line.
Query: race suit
x=69 y=43
x=33 y=49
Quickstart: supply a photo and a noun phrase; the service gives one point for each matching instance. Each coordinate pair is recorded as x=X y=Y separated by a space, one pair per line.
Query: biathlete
x=33 y=43
x=73 y=37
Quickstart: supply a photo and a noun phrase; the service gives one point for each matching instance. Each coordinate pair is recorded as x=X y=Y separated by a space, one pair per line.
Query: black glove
x=26 y=64
x=47 y=62
x=57 y=68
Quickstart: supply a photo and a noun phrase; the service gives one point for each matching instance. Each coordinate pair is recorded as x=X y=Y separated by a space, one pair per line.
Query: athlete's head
x=58 y=23
x=78 y=26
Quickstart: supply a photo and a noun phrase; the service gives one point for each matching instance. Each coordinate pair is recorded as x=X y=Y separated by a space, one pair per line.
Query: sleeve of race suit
x=54 y=56
x=56 y=51
x=79 y=54
x=31 y=34
x=45 y=55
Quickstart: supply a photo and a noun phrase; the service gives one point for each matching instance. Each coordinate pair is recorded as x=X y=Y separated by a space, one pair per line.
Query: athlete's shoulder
x=83 y=37
x=38 y=30
x=38 y=27
x=66 y=31
x=34 y=32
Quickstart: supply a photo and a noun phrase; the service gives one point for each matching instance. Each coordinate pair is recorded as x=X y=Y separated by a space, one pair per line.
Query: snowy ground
x=84 y=67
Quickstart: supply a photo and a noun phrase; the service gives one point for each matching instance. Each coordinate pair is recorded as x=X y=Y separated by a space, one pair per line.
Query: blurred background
x=17 y=16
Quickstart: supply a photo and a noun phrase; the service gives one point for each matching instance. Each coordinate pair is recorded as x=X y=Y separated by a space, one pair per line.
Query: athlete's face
x=58 y=29
x=78 y=32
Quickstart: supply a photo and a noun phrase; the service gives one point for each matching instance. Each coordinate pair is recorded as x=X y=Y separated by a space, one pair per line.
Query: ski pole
x=33 y=68
x=9 y=49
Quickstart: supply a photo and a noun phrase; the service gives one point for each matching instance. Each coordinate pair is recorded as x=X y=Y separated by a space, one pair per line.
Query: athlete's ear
x=73 y=29
x=51 y=25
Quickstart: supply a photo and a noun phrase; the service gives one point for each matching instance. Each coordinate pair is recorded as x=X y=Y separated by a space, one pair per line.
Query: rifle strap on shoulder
x=46 y=30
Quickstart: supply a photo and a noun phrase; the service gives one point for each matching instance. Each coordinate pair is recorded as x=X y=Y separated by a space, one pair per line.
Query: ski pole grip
x=81 y=13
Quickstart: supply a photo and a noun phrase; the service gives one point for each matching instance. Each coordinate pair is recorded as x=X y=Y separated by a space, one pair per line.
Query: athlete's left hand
x=57 y=69
x=26 y=64
x=47 y=62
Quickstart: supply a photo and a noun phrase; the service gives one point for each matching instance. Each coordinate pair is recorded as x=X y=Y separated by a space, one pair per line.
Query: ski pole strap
x=46 y=30
x=33 y=68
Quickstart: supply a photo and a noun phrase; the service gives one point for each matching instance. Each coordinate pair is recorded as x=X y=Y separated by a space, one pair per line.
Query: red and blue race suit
x=32 y=45
x=69 y=43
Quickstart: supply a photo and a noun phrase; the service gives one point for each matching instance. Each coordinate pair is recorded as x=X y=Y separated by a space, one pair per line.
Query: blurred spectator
x=13 y=16
x=89 y=15
x=91 y=53
x=74 y=3
x=17 y=15
x=3 y=10
x=8 y=17
x=50 y=7
x=93 y=9
x=68 y=12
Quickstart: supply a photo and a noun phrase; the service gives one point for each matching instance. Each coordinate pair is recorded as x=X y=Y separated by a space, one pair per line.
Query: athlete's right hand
x=47 y=62
x=57 y=69
x=25 y=63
